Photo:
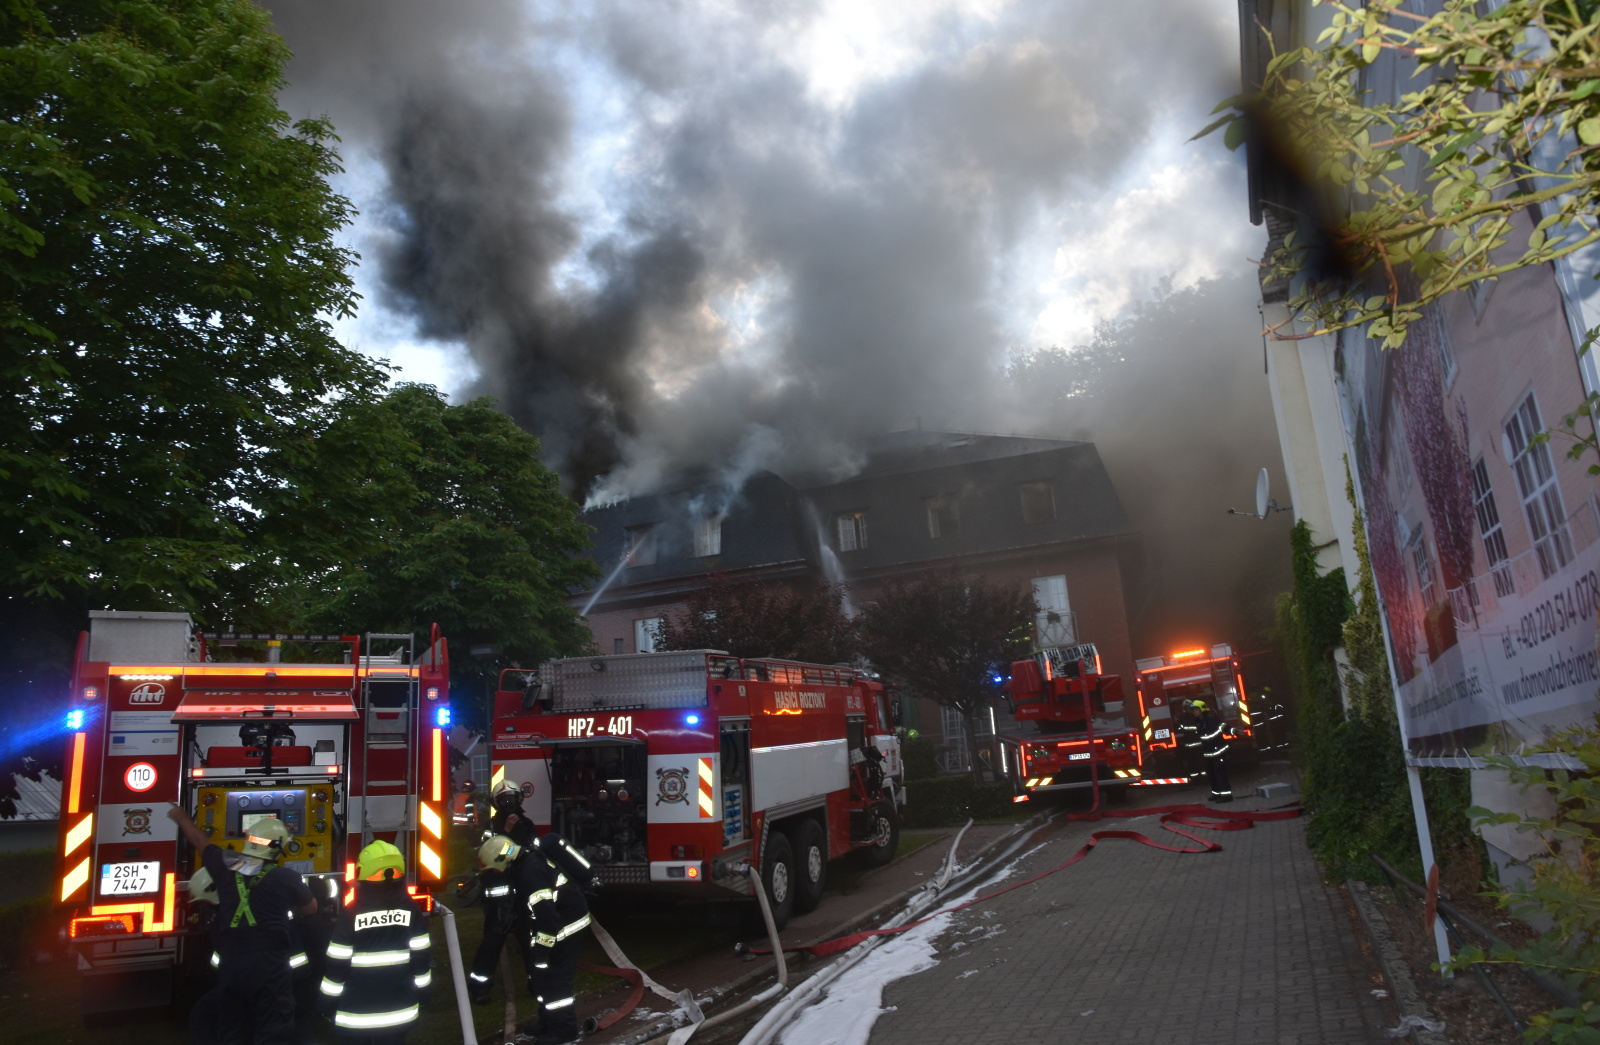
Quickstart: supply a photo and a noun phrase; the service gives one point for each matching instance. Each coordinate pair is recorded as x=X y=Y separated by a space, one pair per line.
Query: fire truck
x=1211 y=674
x=343 y=744
x=672 y=772
x=1080 y=737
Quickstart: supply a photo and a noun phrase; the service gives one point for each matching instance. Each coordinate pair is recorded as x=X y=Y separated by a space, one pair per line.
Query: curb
x=1401 y=986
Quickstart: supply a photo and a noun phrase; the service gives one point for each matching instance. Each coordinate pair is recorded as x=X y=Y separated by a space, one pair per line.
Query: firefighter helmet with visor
x=202 y=889
x=498 y=853
x=265 y=838
x=508 y=796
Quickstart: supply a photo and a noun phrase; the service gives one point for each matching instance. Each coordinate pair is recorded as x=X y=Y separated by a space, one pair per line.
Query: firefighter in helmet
x=547 y=878
x=205 y=1014
x=252 y=934
x=1189 y=739
x=501 y=910
x=379 y=968
x=1214 y=749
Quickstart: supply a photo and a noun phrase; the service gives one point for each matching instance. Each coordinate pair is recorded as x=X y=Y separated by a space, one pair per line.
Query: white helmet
x=202 y=889
x=265 y=838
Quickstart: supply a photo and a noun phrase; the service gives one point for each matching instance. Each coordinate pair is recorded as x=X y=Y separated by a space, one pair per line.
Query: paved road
x=1241 y=947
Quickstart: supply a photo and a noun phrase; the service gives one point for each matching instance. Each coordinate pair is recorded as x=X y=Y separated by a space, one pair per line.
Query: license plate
x=130 y=879
x=1081 y=756
x=1163 y=734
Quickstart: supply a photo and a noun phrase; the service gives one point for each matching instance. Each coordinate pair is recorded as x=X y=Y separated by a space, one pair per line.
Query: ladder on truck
x=388 y=710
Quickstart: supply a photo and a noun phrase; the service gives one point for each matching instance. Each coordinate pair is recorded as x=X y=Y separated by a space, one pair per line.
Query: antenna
x=1265 y=506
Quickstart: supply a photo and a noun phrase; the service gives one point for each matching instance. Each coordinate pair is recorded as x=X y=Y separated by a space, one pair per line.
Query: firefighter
x=546 y=877
x=1214 y=749
x=251 y=933
x=379 y=968
x=502 y=912
x=205 y=1015
x=1189 y=739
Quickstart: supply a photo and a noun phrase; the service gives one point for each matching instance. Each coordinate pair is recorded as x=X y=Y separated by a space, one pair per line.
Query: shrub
x=949 y=801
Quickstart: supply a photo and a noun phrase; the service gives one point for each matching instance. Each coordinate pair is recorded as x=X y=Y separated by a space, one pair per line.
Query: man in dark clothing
x=1189 y=740
x=251 y=934
x=548 y=876
x=502 y=912
x=379 y=969
x=1214 y=749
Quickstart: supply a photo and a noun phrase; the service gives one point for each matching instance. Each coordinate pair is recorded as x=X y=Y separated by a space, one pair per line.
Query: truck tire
x=882 y=851
x=811 y=865
x=778 y=877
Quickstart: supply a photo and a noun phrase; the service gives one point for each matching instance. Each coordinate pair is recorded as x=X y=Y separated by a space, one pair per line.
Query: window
x=616 y=645
x=1424 y=565
x=1055 y=624
x=708 y=535
x=1399 y=459
x=852 y=530
x=1541 y=497
x=646 y=633
x=1038 y=502
x=944 y=517
x=642 y=545
x=1494 y=536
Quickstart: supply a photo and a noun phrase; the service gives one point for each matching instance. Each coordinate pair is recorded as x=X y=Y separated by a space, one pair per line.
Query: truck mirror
x=536 y=696
x=894 y=711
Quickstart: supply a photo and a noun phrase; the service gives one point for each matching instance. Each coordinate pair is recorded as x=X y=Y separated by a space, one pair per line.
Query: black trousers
x=500 y=923
x=551 y=972
x=255 y=993
x=1217 y=777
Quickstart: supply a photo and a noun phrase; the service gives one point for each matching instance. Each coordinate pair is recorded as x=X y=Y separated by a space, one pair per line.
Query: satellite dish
x=1261 y=494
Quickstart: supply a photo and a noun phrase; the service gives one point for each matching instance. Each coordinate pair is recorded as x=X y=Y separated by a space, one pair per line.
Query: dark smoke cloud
x=757 y=275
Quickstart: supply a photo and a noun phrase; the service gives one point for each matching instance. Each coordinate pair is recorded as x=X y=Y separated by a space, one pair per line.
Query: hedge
x=950 y=801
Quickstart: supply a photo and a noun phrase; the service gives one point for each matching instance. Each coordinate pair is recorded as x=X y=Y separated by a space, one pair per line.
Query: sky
x=743 y=235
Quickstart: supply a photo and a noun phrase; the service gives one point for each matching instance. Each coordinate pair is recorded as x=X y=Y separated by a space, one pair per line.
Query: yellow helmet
x=380 y=860
x=202 y=889
x=498 y=853
x=265 y=838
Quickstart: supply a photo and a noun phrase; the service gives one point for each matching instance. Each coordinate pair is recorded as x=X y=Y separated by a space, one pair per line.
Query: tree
x=168 y=271
x=944 y=636
x=473 y=534
x=1505 y=123
x=764 y=620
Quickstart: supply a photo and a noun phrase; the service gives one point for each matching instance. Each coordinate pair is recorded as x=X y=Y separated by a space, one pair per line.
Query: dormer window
x=1038 y=502
x=641 y=545
x=852 y=530
x=944 y=517
x=708 y=535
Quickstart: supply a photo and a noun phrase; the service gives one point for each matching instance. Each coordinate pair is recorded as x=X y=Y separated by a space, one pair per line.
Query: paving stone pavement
x=1241 y=947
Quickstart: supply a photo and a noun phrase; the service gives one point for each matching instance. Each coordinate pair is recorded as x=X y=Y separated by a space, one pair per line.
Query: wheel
x=811 y=865
x=882 y=850
x=777 y=875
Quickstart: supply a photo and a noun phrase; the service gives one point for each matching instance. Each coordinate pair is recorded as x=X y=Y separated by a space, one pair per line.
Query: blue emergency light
x=75 y=719
x=693 y=720
x=441 y=717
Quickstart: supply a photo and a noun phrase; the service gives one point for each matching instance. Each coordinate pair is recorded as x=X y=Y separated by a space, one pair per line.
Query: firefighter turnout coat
x=379 y=968
x=550 y=876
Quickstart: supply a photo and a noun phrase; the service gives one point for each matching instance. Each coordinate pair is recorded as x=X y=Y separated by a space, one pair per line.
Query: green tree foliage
x=1504 y=123
x=1565 y=884
x=470 y=532
x=764 y=620
x=943 y=636
x=168 y=267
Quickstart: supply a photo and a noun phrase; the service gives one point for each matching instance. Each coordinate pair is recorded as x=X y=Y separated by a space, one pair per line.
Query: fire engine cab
x=674 y=771
x=1211 y=674
x=1081 y=736
x=343 y=745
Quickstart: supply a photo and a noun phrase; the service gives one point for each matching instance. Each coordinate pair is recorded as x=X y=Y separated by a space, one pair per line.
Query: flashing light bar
x=1189 y=654
x=146 y=678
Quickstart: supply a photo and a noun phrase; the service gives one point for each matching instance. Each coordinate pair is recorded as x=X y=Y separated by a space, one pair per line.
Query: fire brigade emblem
x=136 y=821
x=672 y=785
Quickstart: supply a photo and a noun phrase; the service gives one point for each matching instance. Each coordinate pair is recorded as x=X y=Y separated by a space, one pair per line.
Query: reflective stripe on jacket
x=379 y=966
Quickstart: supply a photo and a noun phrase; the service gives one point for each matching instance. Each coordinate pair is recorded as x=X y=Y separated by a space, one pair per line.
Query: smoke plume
x=736 y=236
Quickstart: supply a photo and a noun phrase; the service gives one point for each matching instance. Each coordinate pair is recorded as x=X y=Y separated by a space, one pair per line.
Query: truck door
x=735 y=780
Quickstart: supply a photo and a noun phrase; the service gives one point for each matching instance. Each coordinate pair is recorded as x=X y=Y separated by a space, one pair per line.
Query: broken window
x=852 y=530
x=1038 y=502
x=944 y=517
x=642 y=545
x=1055 y=624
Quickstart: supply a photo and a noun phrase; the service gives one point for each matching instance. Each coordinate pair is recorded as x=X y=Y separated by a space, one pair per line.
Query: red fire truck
x=673 y=771
x=1211 y=674
x=344 y=747
x=1082 y=738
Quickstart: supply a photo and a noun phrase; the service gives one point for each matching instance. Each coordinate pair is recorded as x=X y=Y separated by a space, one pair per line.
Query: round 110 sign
x=141 y=776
